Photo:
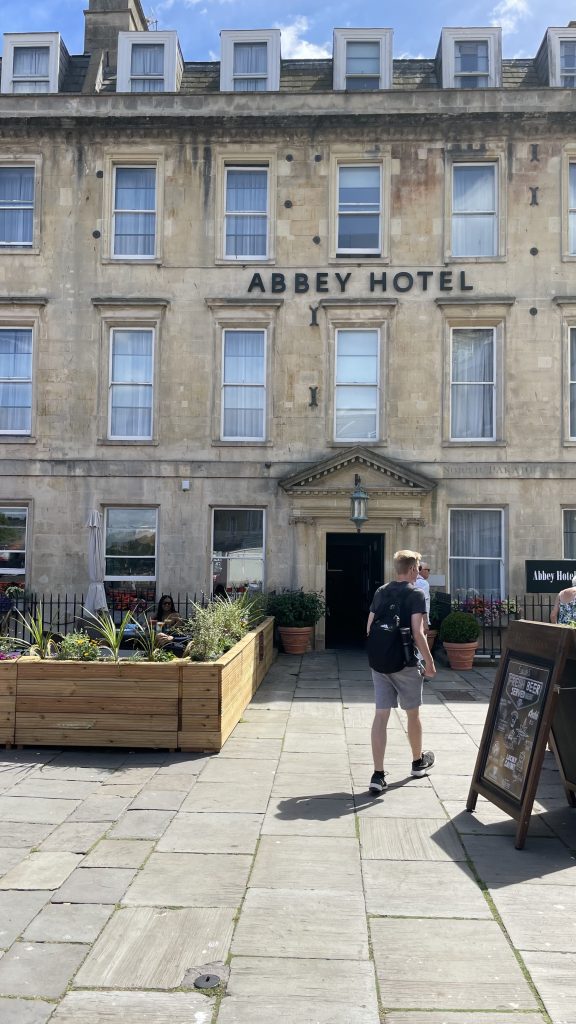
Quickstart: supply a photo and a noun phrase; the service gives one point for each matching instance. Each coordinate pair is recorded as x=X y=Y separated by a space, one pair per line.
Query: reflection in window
x=130 y=545
x=134 y=229
x=359 y=209
x=476 y=552
x=12 y=545
x=16 y=206
x=238 y=549
x=471 y=67
x=15 y=380
x=473 y=384
x=356 y=402
x=474 y=212
x=147 y=67
x=243 y=385
x=131 y=371
x=246 y=213
x=362 y=65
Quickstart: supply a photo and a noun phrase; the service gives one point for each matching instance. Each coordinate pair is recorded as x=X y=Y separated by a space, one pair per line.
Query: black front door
x=354 y=569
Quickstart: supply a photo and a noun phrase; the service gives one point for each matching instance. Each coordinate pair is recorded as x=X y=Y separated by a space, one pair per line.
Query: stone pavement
x=124 y=876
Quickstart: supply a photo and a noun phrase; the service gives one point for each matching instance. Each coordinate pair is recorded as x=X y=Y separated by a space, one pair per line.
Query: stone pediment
x=335 y=475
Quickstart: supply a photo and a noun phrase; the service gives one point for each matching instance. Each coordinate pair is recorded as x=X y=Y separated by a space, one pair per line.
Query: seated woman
x=169 y=624
x=564 y=611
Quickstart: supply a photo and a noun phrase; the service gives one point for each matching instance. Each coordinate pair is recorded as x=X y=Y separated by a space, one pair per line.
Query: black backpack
x=386 y=650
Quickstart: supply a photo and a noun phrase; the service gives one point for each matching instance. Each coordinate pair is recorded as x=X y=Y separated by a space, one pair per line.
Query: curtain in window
x=16 y=381
x=569 y=533
x=31 y=61
x=362 y=65
x=135 y=231
x=250 y=59
x=474 y=210
x=356 y=364
x=476 y=552
x=16 y=205
x=359 y=209
x=131 y=384
x=244 y=389
x=147 y=59
x=572 y=209
x=246 y=212
x=472 y=407
x=573 y=382
x=567 y=64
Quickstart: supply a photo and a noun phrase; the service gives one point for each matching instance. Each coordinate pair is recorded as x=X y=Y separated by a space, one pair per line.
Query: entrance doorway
x=354 y=569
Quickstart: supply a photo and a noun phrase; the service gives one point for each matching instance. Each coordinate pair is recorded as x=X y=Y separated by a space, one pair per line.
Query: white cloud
x=294 y=46
x=508 y=13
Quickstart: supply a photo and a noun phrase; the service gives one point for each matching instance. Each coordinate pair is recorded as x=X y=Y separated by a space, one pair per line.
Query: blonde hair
x=406 y=560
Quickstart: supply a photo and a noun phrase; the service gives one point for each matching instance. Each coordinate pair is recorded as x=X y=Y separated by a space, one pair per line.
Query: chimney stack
x=104 y=19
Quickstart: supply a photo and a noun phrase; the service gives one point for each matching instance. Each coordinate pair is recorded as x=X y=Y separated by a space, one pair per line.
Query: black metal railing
x=495 y=614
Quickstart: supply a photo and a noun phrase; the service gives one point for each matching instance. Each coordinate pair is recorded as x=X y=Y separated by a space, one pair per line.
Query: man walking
x=421 y=581
x=404 y=686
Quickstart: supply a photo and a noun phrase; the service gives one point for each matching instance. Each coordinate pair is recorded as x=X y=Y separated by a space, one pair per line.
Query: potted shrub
x=296 y=613
x=459 y=633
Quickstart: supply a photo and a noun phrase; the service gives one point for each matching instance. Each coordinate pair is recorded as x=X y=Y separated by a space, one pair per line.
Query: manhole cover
x=456 y=694
x=207 y=981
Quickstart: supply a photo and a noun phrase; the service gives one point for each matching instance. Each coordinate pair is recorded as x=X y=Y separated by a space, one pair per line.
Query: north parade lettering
x=323 y=282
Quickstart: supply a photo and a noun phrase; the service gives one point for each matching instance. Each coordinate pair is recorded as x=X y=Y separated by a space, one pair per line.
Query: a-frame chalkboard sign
x=520 y=720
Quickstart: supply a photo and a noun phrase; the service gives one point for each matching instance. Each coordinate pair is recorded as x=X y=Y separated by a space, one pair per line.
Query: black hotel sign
x=324 y=282
x=549 y=577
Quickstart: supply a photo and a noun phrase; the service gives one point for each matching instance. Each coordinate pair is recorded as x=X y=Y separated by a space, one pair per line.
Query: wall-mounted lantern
x=358 y=504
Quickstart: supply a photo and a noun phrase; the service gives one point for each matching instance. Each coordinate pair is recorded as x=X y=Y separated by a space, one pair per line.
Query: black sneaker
x=423 y=764
x=377 y=783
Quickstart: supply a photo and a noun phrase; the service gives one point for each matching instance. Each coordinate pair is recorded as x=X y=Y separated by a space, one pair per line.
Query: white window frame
x=493 y=383
x=173 y=63
x=550 y=55
x=263 y=387
x=121 y=165
x=364 y=329
x=238 y=508
x=57 y=58
x=133 y=579
x=228 y=38
x=477 y=558
x=6 y=246
x=21 y=380
x=357 y=164
x=343 y=36
x=17 y=508
x=263 y=167
x=498 y=227
x=572 y=510
x=447 y=54
x=119 y=384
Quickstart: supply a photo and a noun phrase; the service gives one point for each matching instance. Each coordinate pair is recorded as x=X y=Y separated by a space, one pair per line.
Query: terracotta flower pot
x=461 y=656
x=296 y=639
x=431 y=638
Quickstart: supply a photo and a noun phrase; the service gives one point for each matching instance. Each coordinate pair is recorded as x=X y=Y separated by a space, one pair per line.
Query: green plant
x=107 y=630
x=216 y=628
x=296 y=608
x=159 y=655
x=41 y=642
x=7 y=644
x=459 y=628
x=77 y=646
x=149 y=644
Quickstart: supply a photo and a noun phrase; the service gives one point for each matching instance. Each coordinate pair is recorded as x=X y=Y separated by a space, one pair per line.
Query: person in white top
x=422 y=582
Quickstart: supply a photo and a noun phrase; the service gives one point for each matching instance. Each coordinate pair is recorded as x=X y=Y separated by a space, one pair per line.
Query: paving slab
x=414 y=889
x=310 y=816
x=221 y=796
x=269 y=990
x=181 y=781
x=35 y=785
x=10 y=856
x=158 y=799
x=238 y=770
x=69 y=773
x=145 y=947
x=101 y=808
x=128 y=789
x=409 y=839
x=184 y=764
x=498 y=863
x=95 y=885
x=416 y=1017
x=17 y=909
x=75 y=836
x=190 y=880
x=39 y=968
x=539 y=917
x=118 y=853
x=142 y=824
x=403 y=802
x=309 y=763
x=288 y=923
x=212 y=832
x=134 y=1008
x=454 y=788
x=42 y=870
x=303 y=742
x=69 y=922
x=554 y=975
x=135 y=774
x=311 y=862
x=327 y=785
x=468 y=965
x=25 y=1011
x=247 y=748
x=35 y=810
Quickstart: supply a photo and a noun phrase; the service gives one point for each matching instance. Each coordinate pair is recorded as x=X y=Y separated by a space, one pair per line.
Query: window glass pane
x=474 y=189
x=238 y=555
x=363 y=58
x=15 y=380
x=15 y=353
x=244 y=357
x=147 y=85
x=359 y=232
x=357 y=357
x=356 y=412
x=131 y=412
x=12 y=540
x=569 y=533
x=567 y=56
x=243 y=412
x=250 y=58
x=246 y=236
x=473 y=355
x=31 y=61
x=471 y=57
x=36 y=85
x=476 y=550
x=131 y=542
x=135 y=188
x=359 y=189
x=147 y=59
x=16 y=205
x=132 y=356
x=247 y=191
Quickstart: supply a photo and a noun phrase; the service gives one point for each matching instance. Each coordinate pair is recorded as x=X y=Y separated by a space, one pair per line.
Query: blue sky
x=307 y=26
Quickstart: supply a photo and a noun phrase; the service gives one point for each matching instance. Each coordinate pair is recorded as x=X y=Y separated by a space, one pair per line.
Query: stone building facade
x=228 y=289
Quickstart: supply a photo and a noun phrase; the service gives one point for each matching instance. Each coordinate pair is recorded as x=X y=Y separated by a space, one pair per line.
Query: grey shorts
x=404 y=687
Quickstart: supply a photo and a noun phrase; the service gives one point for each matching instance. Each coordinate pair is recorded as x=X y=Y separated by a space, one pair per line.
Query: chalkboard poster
x=515 y=726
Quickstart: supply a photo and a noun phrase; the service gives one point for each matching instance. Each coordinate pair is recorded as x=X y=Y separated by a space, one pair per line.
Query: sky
x=307 y=25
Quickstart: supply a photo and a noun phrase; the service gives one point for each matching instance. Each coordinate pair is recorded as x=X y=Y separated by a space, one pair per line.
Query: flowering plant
x=490 y=610
x=5 y=656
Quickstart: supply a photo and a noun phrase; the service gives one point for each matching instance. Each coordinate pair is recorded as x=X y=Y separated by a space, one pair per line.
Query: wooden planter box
x=8 y=670
x=215 y=693
x=192 y=705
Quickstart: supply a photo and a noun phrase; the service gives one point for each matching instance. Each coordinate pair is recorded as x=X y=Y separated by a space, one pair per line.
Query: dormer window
x=148 y=62
x=568 y=63
x=33 y=63
x=556 y=58
x=470 y=58
x=362 y=59
x=250 y=61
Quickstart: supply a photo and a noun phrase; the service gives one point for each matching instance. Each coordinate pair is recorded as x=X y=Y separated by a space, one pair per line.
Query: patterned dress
x=567 y=612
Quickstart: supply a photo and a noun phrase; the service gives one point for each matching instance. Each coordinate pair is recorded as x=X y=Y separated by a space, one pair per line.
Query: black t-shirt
x=410 y=599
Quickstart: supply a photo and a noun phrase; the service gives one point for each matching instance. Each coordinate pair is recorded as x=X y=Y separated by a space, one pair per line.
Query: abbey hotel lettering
x=324 y=282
